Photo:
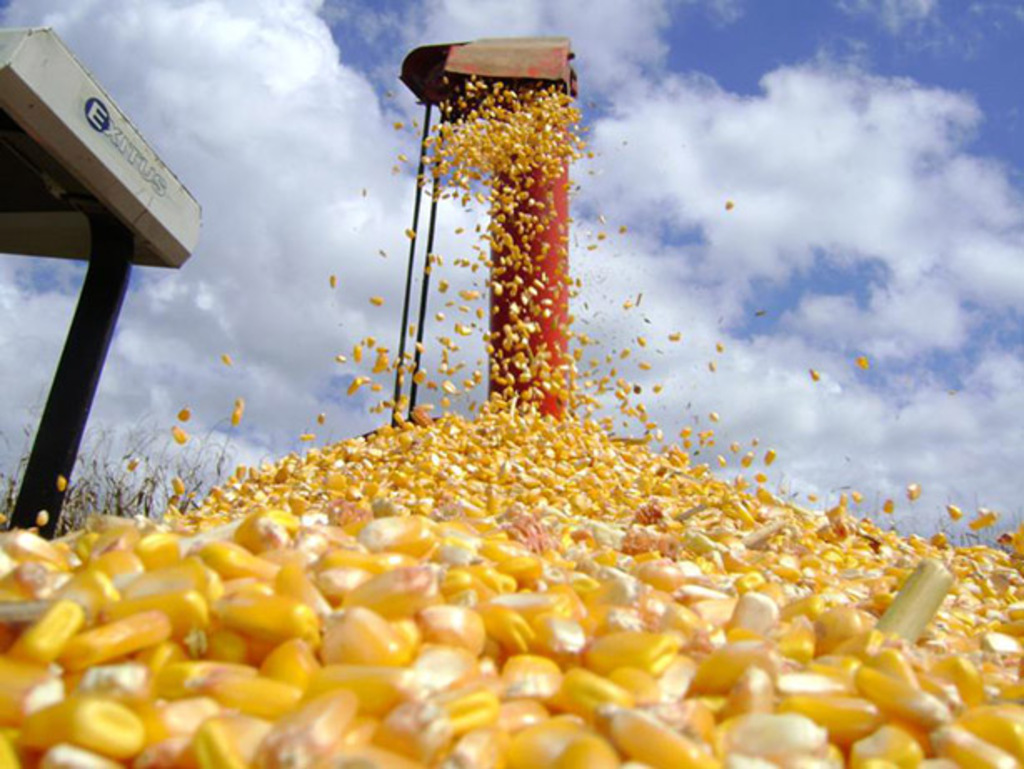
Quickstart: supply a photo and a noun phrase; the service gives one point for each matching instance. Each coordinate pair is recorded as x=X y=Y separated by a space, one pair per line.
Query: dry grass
x=128 y=472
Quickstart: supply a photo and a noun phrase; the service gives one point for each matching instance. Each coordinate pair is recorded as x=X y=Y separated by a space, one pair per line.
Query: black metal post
x=402 y=331
x=78 y=374
x=424 y=294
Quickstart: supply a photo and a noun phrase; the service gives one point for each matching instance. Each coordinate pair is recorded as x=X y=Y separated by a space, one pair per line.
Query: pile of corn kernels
x=504 y=592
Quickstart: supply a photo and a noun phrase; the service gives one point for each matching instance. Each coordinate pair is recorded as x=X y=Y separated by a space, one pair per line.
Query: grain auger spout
x=529 y=282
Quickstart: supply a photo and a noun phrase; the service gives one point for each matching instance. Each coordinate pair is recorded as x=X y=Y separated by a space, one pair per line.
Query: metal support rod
x=424 y=293
x=402 y=331
x=78 y=374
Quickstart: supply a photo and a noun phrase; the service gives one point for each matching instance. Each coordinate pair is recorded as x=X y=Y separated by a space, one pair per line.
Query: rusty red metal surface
x=535 y=290
x=425 y=69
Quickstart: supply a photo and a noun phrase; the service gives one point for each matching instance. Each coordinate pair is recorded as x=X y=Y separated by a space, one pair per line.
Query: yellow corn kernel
x=412 y=535
x=839 y=624
x=228 y=742
x=497 y=582
x=232 y=561
x=895 y=664
x=291 y=662
x=164 y=653
x=187 y=610
x=63 y=755
x=255 y=695
x=91 y=589
x=587 y=751
x=501 y=550
x=485 y=748
x=84 y=544
x=360 y=731
x=362 y=637
x=752 y=580
x=797 y=642
x=457 y=580
x=542 y=744
x=115 y=639
x=46 y=638
x=676 y=680
x=166 y=753
x=8 y=755
x=469 y=708
x=246 y=587
x=375 y=563
x=752 y=693
x=773 y=737
x=266 y=529
x=651 y=652
x=525 y=569
x=121 y=535
x=508 y=628
x=177 y=680
x=583 y=692
x=812 y=607
x=189 y=574
x=271 y=618
x=661 y=574
x=999 y=725
x=130 y=683
x=527 y=675
x=223 y=645
x=308 y=734
x=863 y=645
x=641 y=684
x=28 y=546
x=117 y=563
x=889 y=743
x=419 y=730
x=159 y=550
x=98 y=724
x=755 y=612
x=967 y=749
x=900 y=700
x=378 y=689
x=398 y=593
x=841 y=668
x=24 y=687
x=440 y=667
x=559 y=638
x=367 y=757
x=721 y=669
x=847 y=719
x=294 y=582
x=515 y=715
x=647 y=740
x=963 y=674
x=453 y=626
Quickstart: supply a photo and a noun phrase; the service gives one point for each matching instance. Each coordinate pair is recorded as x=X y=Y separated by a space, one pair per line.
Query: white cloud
x=865 y=176
x=895 y=15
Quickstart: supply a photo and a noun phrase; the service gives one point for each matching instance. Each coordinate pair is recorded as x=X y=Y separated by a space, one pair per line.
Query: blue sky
x=872 y=148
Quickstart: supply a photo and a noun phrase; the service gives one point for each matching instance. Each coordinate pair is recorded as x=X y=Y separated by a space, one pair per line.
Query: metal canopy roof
x=68 y=152
x=426 y=68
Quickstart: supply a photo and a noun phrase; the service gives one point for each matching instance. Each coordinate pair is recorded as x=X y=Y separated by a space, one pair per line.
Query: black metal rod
x=424 y=292
x=78 y=374
x=402 y=331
